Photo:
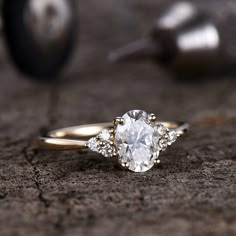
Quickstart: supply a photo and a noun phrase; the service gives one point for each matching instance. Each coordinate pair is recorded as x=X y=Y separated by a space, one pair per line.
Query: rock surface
x=42 y=193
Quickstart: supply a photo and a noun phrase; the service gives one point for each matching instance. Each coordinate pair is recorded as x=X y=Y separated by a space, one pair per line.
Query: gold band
x=76 y=137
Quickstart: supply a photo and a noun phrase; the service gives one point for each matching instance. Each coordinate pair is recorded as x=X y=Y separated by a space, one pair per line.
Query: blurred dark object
x=187 y=39
x=40 y=34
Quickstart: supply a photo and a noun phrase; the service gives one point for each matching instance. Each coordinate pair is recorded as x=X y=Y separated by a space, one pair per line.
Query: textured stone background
x=193 y=191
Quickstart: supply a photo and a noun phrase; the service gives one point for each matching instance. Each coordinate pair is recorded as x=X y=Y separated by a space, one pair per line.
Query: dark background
x=56 y=193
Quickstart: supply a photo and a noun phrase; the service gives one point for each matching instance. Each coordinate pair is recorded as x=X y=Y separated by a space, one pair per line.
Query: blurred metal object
x=40 y=34
x=48 y=21
x=182 y=37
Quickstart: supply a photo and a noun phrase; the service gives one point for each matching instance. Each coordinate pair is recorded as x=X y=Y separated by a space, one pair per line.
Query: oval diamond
x=136 y=141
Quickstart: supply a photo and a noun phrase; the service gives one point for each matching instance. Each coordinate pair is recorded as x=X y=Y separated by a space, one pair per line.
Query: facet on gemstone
x=136 y=141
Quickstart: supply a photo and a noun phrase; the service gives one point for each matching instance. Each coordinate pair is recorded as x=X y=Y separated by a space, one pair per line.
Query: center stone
x=135 y=141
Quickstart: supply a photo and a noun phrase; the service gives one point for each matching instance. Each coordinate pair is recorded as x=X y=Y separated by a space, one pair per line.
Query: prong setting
x=152 y=118
x=102 y=143
x=115 y=154
x=118 y=121
x=124 y=165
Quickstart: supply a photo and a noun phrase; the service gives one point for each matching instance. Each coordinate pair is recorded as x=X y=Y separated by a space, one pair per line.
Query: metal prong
x=157 y=161
x=115 y=154
x=125 y=165
x=102 y=143
x=152 y=117
x=111 y=142
x=118 y=121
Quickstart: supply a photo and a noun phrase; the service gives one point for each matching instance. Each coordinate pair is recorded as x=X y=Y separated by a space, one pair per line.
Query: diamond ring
x=136 y=139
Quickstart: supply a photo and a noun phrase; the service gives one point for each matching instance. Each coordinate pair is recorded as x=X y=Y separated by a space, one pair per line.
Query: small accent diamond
x=93 y=144
x=163 y=143
x=105 y=135
x=161 y=129
x=106 y=150
x=172 y=136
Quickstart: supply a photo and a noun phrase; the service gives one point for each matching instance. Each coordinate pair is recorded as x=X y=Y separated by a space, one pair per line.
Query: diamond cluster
x=137 y=141
x=103 y=143
x=165 y=137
